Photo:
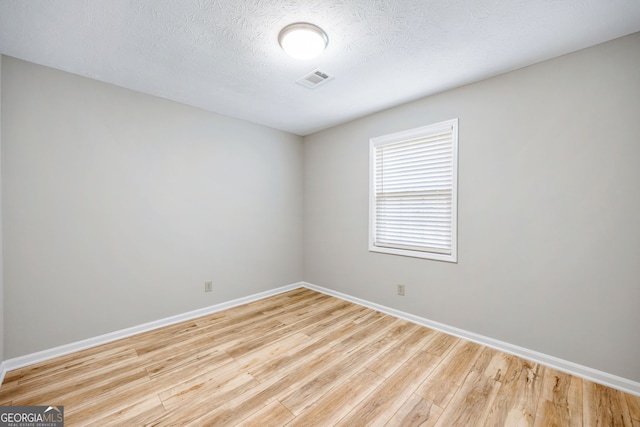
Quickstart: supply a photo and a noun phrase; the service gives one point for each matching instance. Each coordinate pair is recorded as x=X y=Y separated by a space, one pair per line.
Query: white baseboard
x=41 y=356
x=571 y=368
x=590 y=374
x=3 y=371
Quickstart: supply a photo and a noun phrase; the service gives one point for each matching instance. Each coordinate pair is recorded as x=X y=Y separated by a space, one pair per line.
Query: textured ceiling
x=223 y=55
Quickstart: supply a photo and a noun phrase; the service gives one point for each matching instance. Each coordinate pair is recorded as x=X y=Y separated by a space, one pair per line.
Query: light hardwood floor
x=307 y=359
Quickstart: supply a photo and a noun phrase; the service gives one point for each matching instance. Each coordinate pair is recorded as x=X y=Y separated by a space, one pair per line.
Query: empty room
x=319 y=213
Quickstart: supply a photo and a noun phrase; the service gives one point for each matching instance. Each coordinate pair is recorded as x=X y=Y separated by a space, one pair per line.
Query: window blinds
x=414 y=181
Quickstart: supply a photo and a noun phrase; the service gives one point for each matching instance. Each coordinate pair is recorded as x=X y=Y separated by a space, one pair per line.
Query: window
x=413 y=192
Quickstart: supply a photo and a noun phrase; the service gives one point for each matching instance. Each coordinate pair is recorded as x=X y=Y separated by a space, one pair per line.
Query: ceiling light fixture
x=303 y=40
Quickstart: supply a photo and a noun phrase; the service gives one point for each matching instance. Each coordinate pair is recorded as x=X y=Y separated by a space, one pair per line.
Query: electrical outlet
x=401 y=290
x=208 y=286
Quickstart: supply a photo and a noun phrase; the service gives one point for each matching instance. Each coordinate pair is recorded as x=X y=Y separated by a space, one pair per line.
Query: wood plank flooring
x=307 y=359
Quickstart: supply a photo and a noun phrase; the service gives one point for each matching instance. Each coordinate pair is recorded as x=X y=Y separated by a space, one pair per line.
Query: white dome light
x=303 y=40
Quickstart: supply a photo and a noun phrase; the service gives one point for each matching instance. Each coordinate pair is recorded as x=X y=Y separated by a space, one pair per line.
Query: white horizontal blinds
x=413 y=193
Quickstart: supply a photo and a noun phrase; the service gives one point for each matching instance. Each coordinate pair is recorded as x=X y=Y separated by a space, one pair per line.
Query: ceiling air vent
x=314 y=79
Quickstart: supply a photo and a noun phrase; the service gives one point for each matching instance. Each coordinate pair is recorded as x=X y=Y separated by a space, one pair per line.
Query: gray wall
x=118 y=206
x=1 y=257
x=549 y=204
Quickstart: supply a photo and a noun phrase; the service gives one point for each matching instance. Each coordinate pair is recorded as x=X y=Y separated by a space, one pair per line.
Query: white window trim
x=410 y=134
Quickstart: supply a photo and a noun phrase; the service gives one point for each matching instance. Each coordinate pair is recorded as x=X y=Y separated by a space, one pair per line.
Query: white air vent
x=314 y=79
